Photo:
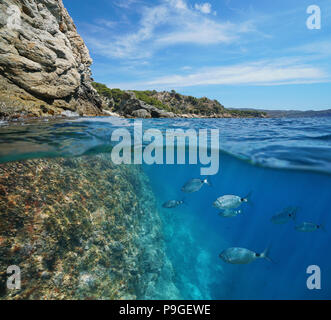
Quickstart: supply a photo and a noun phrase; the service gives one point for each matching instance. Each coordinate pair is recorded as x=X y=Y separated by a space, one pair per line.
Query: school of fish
x=228 y=206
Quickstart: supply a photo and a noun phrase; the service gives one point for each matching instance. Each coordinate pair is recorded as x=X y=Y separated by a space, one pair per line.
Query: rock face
x=81 y=228
x=44 y=63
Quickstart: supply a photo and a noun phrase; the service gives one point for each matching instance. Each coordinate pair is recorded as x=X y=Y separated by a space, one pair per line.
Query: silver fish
x=230 y=202
x=242 y=256
x=285 y=216
x=309 y=227
x=194 y=185
x=229 y=213
x=172 y=204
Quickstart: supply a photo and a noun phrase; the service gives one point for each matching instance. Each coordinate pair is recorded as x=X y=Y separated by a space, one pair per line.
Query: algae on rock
x=81 y=228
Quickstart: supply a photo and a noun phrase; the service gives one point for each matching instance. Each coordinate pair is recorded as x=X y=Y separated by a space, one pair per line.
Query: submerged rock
x=81 y=228
x=44 y=63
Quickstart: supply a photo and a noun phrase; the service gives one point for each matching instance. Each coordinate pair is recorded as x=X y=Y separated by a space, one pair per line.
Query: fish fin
x=297 y=227
x=265 y=255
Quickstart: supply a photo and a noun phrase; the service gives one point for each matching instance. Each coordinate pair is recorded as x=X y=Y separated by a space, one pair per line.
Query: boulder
x=141 y=113
x=165 y=114
x=132 y=107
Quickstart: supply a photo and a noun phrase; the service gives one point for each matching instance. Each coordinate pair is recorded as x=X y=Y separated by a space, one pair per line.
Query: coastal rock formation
x=154 y=104
x=44 y=63
x=132 y=107
x=81 y=228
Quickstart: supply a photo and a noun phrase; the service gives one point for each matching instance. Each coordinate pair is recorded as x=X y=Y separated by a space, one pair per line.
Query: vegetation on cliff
x=173 y=102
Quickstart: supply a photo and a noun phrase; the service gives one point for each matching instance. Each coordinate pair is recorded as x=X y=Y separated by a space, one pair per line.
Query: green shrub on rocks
x=177 y=103
x=146 y=96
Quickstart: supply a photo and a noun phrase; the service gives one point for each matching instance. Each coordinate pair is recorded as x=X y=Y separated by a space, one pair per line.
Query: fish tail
x=265 y=255
x=323 y=227
x=248 y=197
x=207 y=181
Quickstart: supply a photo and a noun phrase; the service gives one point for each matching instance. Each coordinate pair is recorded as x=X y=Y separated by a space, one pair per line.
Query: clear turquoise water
x=283 y=162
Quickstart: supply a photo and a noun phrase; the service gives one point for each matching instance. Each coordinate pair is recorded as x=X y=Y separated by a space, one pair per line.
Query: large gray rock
x=141 y=113
x=165 y=114
x=43 y=60
x=132 y=107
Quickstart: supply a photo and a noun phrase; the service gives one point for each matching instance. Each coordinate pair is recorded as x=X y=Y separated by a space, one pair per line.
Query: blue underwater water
x=281 y=162
x=196 y=234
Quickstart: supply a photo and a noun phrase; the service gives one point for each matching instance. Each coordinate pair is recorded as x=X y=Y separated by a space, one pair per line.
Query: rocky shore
x=153 y=104
x=132 y=107
x=81 y=228
x=45 y=72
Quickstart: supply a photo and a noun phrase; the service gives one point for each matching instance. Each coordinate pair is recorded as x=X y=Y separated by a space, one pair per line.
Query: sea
x=279 y=163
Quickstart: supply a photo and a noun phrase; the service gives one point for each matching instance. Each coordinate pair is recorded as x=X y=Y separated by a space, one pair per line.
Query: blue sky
x=246 y=54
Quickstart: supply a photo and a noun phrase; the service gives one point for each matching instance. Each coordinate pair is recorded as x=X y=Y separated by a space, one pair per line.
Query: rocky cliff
x=44 y=63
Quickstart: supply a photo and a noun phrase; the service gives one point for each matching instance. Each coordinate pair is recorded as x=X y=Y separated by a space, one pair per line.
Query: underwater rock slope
x=44 y=63
x=81 y=228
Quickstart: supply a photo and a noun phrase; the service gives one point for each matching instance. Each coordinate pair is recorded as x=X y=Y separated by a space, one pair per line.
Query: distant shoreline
x=293 y=113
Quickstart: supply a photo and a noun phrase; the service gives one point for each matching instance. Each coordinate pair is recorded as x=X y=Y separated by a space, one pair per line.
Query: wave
x=326 y=137
x=266 y=142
